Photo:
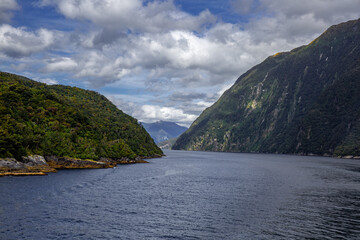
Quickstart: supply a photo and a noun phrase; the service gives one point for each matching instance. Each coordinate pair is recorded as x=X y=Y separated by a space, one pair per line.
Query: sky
x=156 y=59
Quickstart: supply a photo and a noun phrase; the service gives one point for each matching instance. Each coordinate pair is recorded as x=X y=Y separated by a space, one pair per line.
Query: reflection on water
x=189 y=195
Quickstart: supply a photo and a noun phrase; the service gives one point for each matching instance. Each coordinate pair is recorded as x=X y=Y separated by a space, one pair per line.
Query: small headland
x=37 y=165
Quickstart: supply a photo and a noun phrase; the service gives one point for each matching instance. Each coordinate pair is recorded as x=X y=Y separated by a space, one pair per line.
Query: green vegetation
x=305 y=101
x=65 y=121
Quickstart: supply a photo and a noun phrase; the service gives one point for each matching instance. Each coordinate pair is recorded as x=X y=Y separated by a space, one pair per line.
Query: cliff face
x=305 y=101
x=37 y=119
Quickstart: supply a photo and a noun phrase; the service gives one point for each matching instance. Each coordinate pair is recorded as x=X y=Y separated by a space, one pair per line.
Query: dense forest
x=305 y=101
x=36 y=118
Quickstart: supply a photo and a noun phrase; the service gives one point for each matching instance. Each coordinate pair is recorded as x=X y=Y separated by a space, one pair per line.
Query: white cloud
x=62 y=64
x=18 y=42
x=204 y=104
x=184 y=62
x=167 y=52
x=152 y=113
x=223 y=89
x=175 y=58
x=48 y=81
x=155 y=16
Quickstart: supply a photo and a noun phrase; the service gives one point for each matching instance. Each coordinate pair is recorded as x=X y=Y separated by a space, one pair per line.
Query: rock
x=110 y=162
x=31 y=165
x=22 y=174
x=10 y=164
x=131 y=161
x=153 y=156
x=125 y=161
x=37 y=163
x=66 y=162
x=141 y=161
x=34 y=160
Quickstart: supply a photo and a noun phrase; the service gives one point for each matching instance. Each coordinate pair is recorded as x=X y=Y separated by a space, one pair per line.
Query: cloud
x=63 y=64
x=175 y=63
x=173 y=59
x=152 y=113
x=6 y=6
x=172 y=49
x=48 y=81
x=134 y=15
x=294 y=21
x=186 y=96
x=328 y=11
x=223 y=89
x=105 y=37
x=18 y=42
x=245 y=7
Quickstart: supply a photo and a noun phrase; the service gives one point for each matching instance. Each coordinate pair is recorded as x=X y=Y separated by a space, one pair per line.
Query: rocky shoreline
x=37 y=165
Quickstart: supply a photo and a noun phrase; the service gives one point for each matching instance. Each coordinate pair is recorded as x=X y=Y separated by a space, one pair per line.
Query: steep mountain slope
x=305 y=101
x=162 y=130
x=66 y=122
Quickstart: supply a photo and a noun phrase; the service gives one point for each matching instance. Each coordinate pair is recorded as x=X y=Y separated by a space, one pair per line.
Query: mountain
x=162 y=130
x=167 y=144
x=62 y=121
x=305 y=101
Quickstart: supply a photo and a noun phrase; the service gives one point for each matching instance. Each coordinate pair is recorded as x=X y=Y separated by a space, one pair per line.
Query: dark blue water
x=189 y=195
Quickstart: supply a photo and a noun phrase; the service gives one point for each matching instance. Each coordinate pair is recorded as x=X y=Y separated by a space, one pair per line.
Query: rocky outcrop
x=66 y=162
x=39 y=165
x=8 y=165
x=31 y=165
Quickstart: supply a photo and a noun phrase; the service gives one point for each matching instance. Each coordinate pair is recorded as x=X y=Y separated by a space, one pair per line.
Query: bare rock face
x=31 y=165
x=37 y=163
x=9 y=164
x=108 y=161
x=34 y=160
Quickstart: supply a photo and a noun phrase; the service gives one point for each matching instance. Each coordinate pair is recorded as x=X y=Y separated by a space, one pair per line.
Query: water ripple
x=189 y=195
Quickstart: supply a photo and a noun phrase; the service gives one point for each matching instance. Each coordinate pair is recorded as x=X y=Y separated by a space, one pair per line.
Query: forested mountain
x=162 y=130
x=66 y=122
x=306 y=101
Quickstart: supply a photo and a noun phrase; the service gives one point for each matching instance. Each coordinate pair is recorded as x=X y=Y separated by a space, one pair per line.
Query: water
x=189 y=195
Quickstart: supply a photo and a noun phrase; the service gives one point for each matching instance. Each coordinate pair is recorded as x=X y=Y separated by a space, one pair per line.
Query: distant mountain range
x=162 y=131
x=306 y=101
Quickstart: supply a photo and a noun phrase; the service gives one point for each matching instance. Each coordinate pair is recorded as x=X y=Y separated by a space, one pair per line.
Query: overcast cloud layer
x=151 y=58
